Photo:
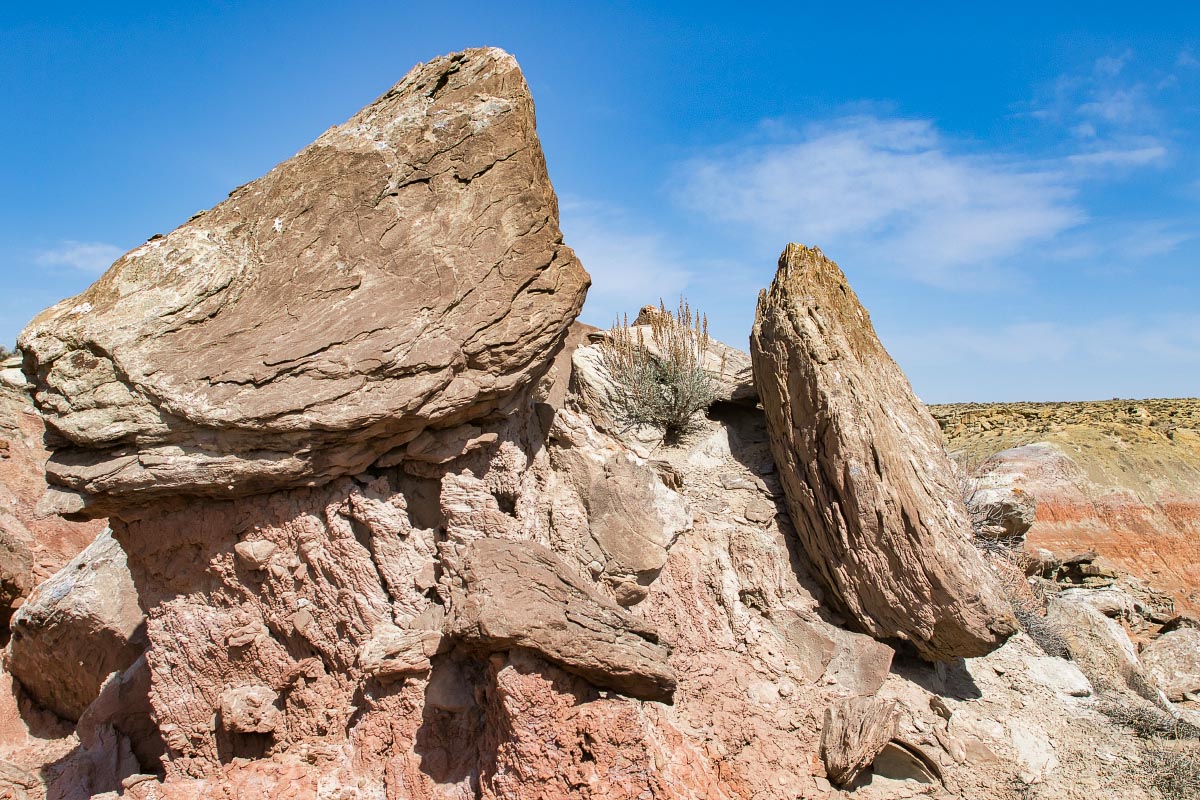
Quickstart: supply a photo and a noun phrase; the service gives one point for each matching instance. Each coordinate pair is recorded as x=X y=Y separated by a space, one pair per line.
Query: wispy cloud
x=629 y=264
x=1113 y=110
x=1115 y=356
x=1113 y=64
x=1135 y=157
x=1125 y=246
x=90 y=257
x=1115 y=340
x=892 y=190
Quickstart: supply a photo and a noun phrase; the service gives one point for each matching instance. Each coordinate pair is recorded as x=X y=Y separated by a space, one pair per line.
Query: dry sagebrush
x=662 y=382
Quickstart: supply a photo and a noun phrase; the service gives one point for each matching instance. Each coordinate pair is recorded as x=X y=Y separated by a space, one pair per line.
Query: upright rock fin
x=869 y=486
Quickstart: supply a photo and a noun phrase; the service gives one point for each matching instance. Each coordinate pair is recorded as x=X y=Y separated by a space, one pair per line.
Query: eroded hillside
x=1121 y=477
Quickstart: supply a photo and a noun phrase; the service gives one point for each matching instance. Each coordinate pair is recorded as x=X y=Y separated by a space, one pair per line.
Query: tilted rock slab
x=406 y=270
x=870 y=488
x=520 y=594
x=76 y=629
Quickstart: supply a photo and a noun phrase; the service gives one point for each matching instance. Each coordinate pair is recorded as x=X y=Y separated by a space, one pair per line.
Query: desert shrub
x=1045 y=633
x=5 y=353
x=986 y=518
x=1173 y=771
x=1145 y=718
x=661 y=382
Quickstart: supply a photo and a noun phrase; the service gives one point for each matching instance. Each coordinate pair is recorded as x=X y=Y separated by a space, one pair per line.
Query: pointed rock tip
x=800 y=266
x=800 y=255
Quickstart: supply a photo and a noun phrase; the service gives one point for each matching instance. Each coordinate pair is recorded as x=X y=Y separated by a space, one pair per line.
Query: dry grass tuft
x=1174 y=771
x=1046 y=634
x=663 y=382
x=1146 y=719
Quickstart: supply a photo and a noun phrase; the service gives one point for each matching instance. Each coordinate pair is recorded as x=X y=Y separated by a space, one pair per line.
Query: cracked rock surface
x=404 y=271
x=872 y=492
x=387 y=547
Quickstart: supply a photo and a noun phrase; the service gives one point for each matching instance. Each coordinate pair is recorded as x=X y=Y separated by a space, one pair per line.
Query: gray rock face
x=76 y=629
x=404 y=271
x=1173 y=662
x=519 y=594
x=1100 y=646
x=870 y=488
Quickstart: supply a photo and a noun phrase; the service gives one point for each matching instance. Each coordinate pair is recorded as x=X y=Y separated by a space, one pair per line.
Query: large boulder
x=999 y=509
x=871 y=491
x=1099 y=645
x=32 y=547
x=1173 y=662
x=404 y=271
x=77 y=629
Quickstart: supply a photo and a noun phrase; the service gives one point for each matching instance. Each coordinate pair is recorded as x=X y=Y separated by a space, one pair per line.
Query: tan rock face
x=32 y=547
x=522 y=595
x=872 y=493
x=404 y=271
x=77 y=628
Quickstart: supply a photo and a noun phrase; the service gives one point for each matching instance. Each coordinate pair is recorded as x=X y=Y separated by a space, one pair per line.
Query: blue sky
x=1013 y=191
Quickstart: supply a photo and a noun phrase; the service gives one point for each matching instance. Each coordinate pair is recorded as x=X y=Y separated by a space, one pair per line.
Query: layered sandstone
x=403 y=272
x=872 y=493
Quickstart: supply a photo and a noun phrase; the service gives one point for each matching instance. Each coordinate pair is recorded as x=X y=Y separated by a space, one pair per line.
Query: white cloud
x=1115 y=109
x=1122 y=106
x=889 y=190
x=630 y=267
x=1107 y=342
x=1112 y=65
x=1134 y=157
x=90 y=257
